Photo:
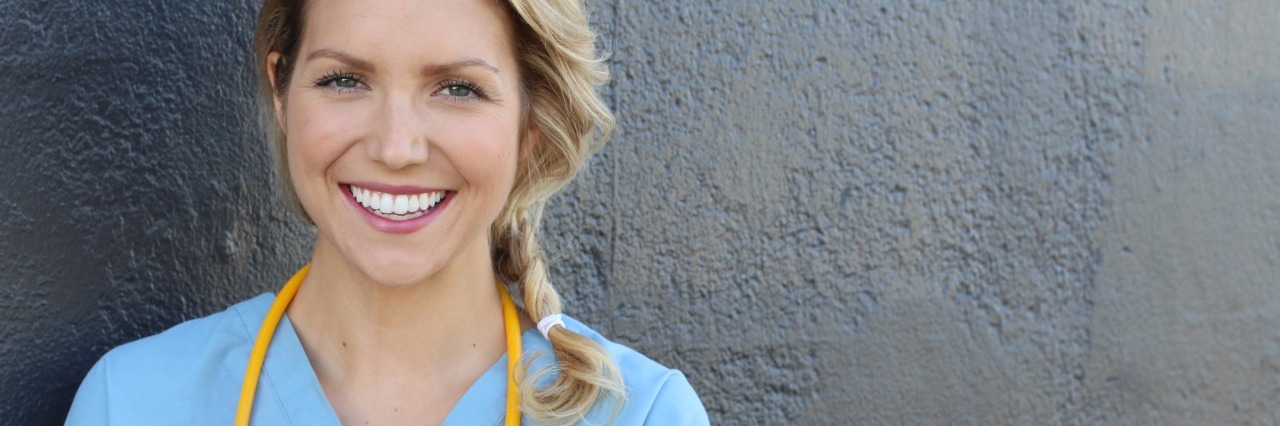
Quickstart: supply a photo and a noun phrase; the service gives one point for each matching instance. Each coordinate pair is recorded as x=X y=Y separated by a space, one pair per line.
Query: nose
x=400 y=137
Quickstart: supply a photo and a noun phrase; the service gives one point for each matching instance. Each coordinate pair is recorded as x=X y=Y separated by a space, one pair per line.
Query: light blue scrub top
x=191 y=375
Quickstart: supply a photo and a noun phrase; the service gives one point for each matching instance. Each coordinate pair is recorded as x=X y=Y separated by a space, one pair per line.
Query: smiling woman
x=422 y=139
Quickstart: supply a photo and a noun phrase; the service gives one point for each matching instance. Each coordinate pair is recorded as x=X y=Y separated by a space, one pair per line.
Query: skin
x=398 y=326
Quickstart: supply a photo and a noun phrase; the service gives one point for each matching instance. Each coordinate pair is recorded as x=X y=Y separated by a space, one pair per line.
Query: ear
x=274 y=58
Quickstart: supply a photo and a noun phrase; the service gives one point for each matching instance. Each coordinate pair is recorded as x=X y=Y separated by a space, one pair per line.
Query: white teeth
x=402 y=204
x=386 y=204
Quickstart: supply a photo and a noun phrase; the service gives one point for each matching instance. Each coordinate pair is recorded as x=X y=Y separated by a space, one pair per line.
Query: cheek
x=484 y=151
x=315 y=139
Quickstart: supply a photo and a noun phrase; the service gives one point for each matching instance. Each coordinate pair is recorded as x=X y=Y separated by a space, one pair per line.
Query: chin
x=396 y=269
x=399 y=274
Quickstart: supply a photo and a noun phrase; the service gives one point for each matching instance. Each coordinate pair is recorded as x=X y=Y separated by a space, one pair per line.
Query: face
x=403 y=122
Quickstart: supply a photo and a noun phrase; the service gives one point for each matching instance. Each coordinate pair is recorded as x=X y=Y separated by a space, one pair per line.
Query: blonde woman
x=421 y=137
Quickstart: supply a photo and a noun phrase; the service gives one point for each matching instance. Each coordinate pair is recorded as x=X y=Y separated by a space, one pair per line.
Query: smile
x=397 y=207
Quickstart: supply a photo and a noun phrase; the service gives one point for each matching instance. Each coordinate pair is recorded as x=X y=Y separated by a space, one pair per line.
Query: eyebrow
x=432 y=69
x=352 y=61
x=456 y=65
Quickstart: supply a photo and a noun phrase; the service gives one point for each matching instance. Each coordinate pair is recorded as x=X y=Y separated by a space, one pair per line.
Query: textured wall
x=824 y=212
x=1186 y=319
x=131 y=197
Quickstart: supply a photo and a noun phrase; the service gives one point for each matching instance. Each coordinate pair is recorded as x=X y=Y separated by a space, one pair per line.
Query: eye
x=457 y=90
x=345 y=83
x=340 y=81
x=460 y=90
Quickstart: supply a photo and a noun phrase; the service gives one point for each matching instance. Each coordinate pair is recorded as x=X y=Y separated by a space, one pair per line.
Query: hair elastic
x=544 y=325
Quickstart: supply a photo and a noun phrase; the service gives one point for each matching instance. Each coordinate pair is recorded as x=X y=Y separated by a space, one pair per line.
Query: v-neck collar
x=292 y=383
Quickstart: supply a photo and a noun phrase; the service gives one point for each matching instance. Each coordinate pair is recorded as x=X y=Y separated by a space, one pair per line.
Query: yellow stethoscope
x=510 y=322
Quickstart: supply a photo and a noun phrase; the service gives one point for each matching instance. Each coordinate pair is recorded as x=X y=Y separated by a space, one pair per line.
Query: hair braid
x=569 y=122
x=585 y=374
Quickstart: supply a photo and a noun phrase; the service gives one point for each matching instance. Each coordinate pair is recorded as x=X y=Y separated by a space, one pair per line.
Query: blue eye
x=345 y=83
x=340 y=81
x=460 y=90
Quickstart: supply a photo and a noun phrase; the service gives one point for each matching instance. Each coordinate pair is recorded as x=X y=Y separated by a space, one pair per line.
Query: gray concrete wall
x=824 y=212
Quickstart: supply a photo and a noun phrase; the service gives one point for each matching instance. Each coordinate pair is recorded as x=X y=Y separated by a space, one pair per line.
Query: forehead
x=410 y=31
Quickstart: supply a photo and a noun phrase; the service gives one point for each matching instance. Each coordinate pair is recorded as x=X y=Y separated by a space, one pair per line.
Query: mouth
x=398 y=207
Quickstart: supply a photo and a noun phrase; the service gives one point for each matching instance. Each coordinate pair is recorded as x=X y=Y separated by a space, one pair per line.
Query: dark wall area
x=824 y=212
x=133 y=196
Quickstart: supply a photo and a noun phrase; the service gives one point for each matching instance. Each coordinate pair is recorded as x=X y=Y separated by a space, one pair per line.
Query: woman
x=421 y=137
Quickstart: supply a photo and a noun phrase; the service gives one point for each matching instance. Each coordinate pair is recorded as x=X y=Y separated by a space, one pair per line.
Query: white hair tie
x=544 y=326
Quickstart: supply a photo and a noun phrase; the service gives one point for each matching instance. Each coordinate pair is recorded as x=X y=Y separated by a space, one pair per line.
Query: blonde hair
x=561 y=73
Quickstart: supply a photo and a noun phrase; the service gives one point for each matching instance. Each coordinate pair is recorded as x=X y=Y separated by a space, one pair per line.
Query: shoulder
x=171 y=368
x=656 y=394
x=191 y=342
x=226 y=329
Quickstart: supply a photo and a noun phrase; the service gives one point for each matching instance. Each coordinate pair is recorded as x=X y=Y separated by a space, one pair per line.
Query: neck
x=444 y=329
